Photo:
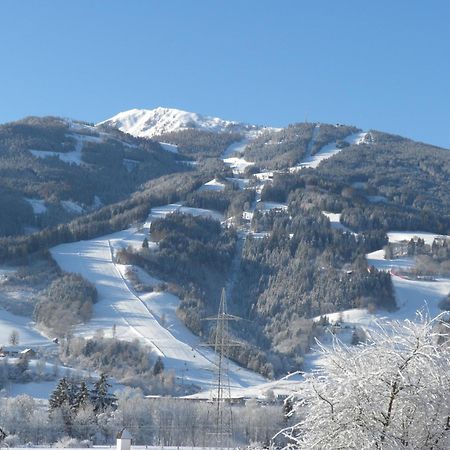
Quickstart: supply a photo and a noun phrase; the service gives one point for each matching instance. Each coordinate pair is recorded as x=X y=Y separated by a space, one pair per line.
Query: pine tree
x=83 y=397
x=60 y=402
x=101 y=397
x=158 y=367
x=60 y=395
x=145 y=243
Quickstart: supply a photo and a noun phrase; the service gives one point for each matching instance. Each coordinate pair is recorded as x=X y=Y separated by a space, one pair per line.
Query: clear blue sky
x=381 y=64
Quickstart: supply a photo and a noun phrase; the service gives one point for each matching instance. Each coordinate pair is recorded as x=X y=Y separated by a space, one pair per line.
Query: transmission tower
x=222 y=393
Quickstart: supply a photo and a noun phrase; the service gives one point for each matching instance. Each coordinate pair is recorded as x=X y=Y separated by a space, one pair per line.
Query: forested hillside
x=53 y=169
x=280 y=258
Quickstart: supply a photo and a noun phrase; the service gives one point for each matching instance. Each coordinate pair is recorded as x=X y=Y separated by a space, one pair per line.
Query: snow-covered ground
x=38 y=206
x=241 y=183
x=268 y=206
x=411 y=295
x=151 y=318
x=28 y=335
x=335 y=221
x=154 y=122
x=238 y=164
x=328 y=151
x=162 y=211
x=49 y=374
x=232 y=157
x=72 y=207
x=172 y=148
x=213 y=185
x=73 y=157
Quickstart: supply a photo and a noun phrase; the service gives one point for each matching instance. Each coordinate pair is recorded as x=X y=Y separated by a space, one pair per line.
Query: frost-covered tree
x=14 y=338
x=390 y=392
x=101 y=397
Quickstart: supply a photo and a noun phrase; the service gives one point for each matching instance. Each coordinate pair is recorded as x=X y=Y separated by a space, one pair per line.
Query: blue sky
x=375 y=64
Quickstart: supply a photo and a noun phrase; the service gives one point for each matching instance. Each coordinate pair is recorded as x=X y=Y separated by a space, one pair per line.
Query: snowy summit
x=154 y=122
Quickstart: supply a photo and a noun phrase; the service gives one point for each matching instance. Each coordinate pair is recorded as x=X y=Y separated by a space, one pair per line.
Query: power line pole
x=222 y=393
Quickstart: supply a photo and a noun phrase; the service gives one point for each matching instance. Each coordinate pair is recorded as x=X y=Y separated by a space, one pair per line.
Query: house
x=28 y=353
x=16 y=352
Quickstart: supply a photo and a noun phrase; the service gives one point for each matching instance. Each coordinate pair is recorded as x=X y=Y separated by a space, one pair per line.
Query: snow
x=151 y=318
x=72 y=207
x=97 y=202
x=335 y=221
x=268 y=206
x=141 y=275
x=37 y=205
x=28 y=335
x=264 y=176
x=238 y=165
x=130 y=164
x=42 y=389
x=405 y=236
x=162 y=211
x=140 y=447
x=328 y=151
x=231 y=156
x=236 y=148
x=241 y=183
x=213 y=185
x=73 y=157
x=155 y=122
x=172 y=148
x=411 y=296
x=282 y=387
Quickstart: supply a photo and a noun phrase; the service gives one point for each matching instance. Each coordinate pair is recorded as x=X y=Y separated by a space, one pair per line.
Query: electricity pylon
x=222 y=393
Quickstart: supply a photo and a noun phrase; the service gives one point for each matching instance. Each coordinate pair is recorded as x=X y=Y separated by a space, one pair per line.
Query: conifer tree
x=60 y=395
x=101 y=397
x=158 y=367
x=83 y=398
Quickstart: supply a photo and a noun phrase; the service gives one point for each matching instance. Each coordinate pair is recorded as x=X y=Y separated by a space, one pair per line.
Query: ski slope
x=149 y=318
x=335 y=221
x=212 y=185
x=329 y=150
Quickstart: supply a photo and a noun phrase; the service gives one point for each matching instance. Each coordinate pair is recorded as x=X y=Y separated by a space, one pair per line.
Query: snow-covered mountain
x=155 y=122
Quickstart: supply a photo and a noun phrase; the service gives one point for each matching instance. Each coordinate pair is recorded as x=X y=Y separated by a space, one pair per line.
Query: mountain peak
x=154 y=122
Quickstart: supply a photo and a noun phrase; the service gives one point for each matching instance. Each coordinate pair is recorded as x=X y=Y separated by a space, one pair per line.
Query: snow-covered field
x=37 y=205
x=28 y=335
x=172 y=148
x=162 y=211
x=213 y=185
x=73 y=157
x=328 y=151
x=151 y=318
x=335 y=221
x=411 y=295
